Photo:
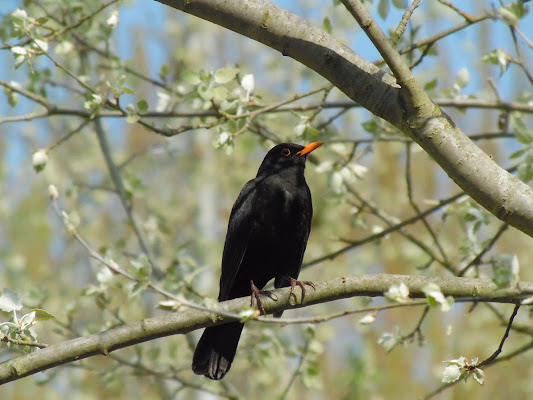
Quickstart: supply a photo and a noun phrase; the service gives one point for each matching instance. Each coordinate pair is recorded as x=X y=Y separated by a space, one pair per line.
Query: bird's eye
x=286 y=152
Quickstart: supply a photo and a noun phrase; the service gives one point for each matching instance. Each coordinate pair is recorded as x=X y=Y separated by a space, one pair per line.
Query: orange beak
x=308 y=148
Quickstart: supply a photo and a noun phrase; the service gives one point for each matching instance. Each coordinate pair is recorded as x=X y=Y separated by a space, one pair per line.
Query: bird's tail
x=216 y=350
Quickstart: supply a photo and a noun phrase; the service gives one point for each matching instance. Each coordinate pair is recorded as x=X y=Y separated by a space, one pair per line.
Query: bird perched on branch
x=266 y=239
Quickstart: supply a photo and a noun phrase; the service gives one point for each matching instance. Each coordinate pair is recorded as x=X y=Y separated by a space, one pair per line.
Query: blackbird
x=266 y=239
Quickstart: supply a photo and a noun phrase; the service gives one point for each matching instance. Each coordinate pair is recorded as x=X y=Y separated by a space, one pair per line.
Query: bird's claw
x=301 y=284
x=256 y=294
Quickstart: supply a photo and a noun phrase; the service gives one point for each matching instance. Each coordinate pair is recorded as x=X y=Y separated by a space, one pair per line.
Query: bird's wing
x=302 y=235
x=237 y=238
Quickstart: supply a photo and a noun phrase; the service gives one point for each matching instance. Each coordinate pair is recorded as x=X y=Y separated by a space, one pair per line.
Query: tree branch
x=116 y=178
x=462 y=104
x=502 y=342
x=406 y=106
x=182 y=322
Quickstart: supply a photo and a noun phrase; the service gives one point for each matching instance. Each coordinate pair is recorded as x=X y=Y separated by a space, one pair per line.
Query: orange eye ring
x=286 y=152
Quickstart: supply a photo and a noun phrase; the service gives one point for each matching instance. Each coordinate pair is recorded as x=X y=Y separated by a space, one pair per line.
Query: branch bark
x=406 y=105
x=182 y=322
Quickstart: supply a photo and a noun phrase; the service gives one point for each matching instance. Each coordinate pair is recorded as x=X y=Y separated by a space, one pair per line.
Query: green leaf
x=505 y=271
x=142 y=106
x=519 y=153
x=224 y=75
x=525 y=171
x=191 y=77
x=401 y=4
x=326 y=25
x=137 y=288
x=522 y=133
x=388 y=341
x=42 y=315
x=12 y=97
x=507 y=16
x=434 y=295
x=370 y=126
x=499 y=57
x=430 y=85
x=518 y=8
x=132 y=116
x=132 y=185
x=141 y=267
x=311 y=130
x=479 y=376
x=206 y=93
x=220 y=94
x=383 y=8
x=164 y=70
x=127 y=90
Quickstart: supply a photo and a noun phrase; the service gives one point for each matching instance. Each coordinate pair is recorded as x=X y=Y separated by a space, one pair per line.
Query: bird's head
x=285 y=155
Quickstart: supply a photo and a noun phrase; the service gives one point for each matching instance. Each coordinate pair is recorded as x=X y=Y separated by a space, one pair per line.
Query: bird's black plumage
x=266 y=239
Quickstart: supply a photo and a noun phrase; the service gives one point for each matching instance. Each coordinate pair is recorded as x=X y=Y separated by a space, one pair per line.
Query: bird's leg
x=301 y=284
x=256 y=294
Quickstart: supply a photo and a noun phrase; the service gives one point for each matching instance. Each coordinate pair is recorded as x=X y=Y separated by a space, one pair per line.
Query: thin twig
x=384 y=232
x=526 y=39
x=320 y=107
x=424 y=53
x=391 y=222
x=62 y=67
x=121 y=191
x=67 y=28
x=69 y=135
x=119 y=271
x=418 y=328
x=25 y=117
x=30 y=95
x=296 y=372
x=468 y=17
x=417 y=209
x=476 y=260
x=345 y=105
x=403 y=23
x=506 y=334
x=520 y=328
x=522 y=66
x=22 y=342
x=250 y=116
x=167 y=375
x=438 y=36
x=507 y=357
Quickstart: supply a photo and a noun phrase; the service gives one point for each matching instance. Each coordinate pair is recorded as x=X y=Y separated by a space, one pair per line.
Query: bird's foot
x=256 y=294
x=301 y=284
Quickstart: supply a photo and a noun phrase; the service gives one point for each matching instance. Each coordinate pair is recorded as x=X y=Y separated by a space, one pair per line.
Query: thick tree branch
x=406 y=106
x=189 y=320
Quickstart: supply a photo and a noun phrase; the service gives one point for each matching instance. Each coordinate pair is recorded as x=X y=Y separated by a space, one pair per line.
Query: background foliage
x=148 y=122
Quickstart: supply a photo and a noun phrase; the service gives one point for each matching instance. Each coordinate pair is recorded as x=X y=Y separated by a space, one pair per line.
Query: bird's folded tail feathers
x=216 y=350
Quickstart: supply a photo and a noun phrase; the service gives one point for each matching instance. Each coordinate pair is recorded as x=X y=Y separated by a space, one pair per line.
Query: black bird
x=266 y=239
